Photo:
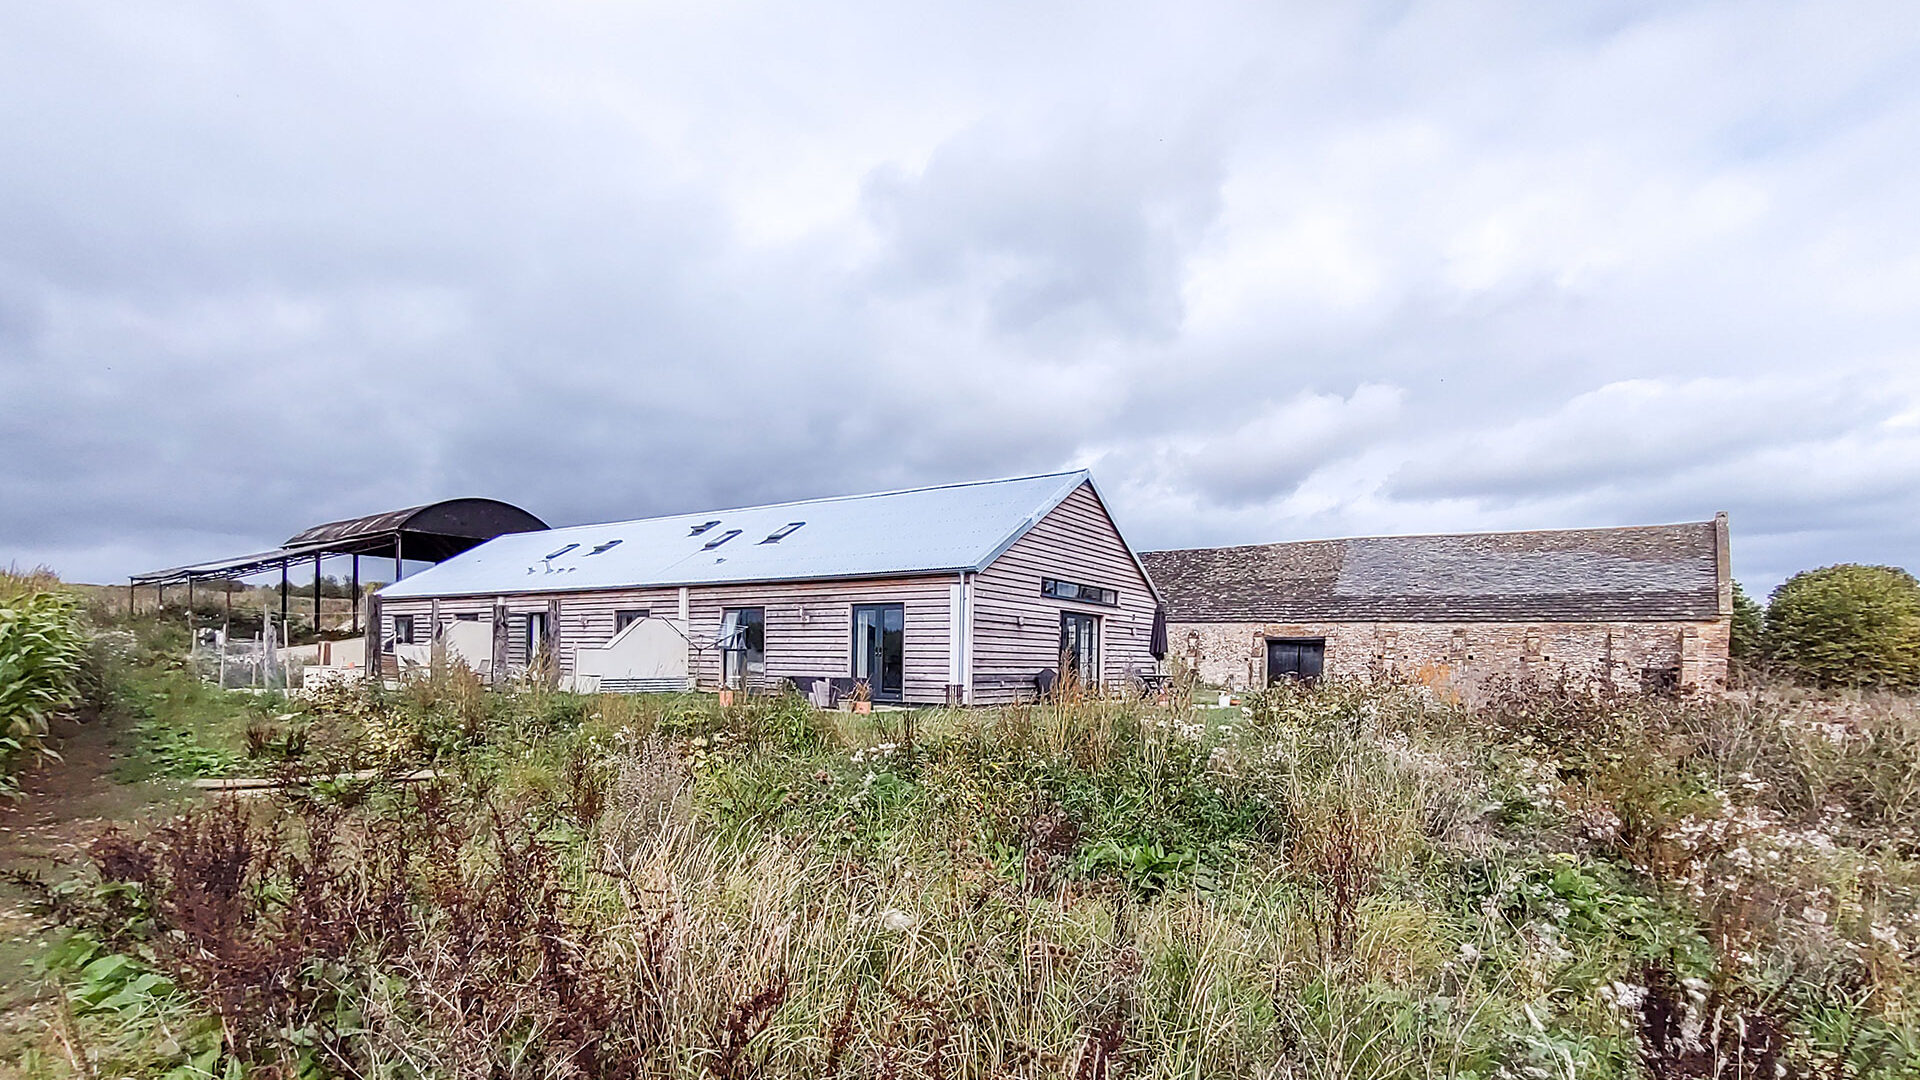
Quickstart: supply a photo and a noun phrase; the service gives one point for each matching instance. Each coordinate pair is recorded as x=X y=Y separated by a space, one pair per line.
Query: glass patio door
x=1080 y=647
x=743 y=648
x=879 y=649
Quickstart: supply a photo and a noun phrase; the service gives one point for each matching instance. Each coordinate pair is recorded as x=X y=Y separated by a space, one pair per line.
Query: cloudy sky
x=1272 y=271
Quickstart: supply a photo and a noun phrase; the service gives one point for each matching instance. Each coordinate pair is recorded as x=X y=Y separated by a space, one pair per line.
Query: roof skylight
x=563 y=551
x=782 y=532
x=703 y=527
x=721 y=539
x=598 y=548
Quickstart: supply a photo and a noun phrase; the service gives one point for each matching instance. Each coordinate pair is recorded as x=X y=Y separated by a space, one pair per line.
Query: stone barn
x=1645 y=607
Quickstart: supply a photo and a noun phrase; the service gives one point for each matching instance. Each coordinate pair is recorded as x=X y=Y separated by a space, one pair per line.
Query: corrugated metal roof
x=1639 y=572
x=473 y=518
x=950 y=528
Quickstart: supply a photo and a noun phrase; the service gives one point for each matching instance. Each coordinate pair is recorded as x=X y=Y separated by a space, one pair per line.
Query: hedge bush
x=1847 y=625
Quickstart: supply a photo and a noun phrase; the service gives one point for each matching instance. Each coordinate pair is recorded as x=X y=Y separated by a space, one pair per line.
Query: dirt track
x=64 y=802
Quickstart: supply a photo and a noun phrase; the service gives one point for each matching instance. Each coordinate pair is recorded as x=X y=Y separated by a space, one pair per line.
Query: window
x=782 y=532
x=1295 y=658
x=467 y=616
x=1080 y=647
x=598 y=548
x=402 y=630
x=536 y=634
x=1073 y=590
x=563 y=551
x=721 y=539
x=743 y=646
x=880 y=649
x=628 y=616
x=703 y=527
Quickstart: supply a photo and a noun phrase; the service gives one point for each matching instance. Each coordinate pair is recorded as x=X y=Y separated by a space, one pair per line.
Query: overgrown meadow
x=1342 y=881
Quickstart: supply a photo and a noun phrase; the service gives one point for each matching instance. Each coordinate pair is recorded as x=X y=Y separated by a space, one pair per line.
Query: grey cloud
x=1274 y=272
x=1076 y=229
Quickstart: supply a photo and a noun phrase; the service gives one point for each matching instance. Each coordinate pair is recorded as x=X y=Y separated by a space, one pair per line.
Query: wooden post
x=316 y=593
x=399 y=557
x=356 y=594
x=283 y=598
x=373 y=637
x=498 y=662
x=553 y=639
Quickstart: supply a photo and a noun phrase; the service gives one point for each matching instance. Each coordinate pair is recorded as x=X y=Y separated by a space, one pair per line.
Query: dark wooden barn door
x=1295 y=658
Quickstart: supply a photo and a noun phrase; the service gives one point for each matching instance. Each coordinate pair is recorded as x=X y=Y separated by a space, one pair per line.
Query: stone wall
x=1462 y=657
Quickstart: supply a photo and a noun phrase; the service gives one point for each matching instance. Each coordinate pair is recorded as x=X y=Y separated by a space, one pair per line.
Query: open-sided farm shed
x=427 y=533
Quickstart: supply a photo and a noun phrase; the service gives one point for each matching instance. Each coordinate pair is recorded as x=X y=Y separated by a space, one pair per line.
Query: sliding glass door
x=880 y=649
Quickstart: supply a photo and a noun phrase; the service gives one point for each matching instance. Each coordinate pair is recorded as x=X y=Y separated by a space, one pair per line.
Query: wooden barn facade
x=963 y=593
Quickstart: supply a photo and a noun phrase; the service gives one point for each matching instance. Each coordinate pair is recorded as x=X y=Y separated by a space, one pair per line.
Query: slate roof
x=946 y=529
x=1651 y=572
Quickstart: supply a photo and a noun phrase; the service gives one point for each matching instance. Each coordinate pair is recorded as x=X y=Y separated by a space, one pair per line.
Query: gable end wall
x=1016 y=630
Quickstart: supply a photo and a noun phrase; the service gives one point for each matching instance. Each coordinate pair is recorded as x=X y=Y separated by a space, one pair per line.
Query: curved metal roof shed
x=433 y=532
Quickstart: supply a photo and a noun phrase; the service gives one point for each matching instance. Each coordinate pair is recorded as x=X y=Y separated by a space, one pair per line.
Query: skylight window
x=783 y=532
x=598 y=548
x=721 y=539
x=703 y=527
x=563 y=551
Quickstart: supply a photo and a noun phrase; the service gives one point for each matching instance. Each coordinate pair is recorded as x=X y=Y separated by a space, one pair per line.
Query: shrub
x=1749 y=626
x=1847 y=625
x=42 y=652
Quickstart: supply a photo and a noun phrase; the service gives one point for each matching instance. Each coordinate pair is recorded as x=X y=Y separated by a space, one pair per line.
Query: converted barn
x=1643 y=607
x=962 y=593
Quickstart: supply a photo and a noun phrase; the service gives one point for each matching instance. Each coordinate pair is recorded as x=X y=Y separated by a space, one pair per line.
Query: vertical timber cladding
x=1017 y=630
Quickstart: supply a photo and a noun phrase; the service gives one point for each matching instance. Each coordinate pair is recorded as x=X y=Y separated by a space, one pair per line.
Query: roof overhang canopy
x=430 y=533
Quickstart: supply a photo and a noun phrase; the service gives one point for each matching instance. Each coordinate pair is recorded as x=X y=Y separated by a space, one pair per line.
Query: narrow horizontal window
x=721 y=539
x=703 y=527
x=782 y=532
x=1076 y=591
x=608 y=546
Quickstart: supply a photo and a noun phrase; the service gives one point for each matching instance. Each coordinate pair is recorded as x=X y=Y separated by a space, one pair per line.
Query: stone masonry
x=1641 y=607
x=1460 y=659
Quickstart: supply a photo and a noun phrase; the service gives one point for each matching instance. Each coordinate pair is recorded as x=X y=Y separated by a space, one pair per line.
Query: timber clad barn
x=1640 y=608
x=960 y=593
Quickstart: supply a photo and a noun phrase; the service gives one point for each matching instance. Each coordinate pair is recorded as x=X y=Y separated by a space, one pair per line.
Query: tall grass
x=1345 y=881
